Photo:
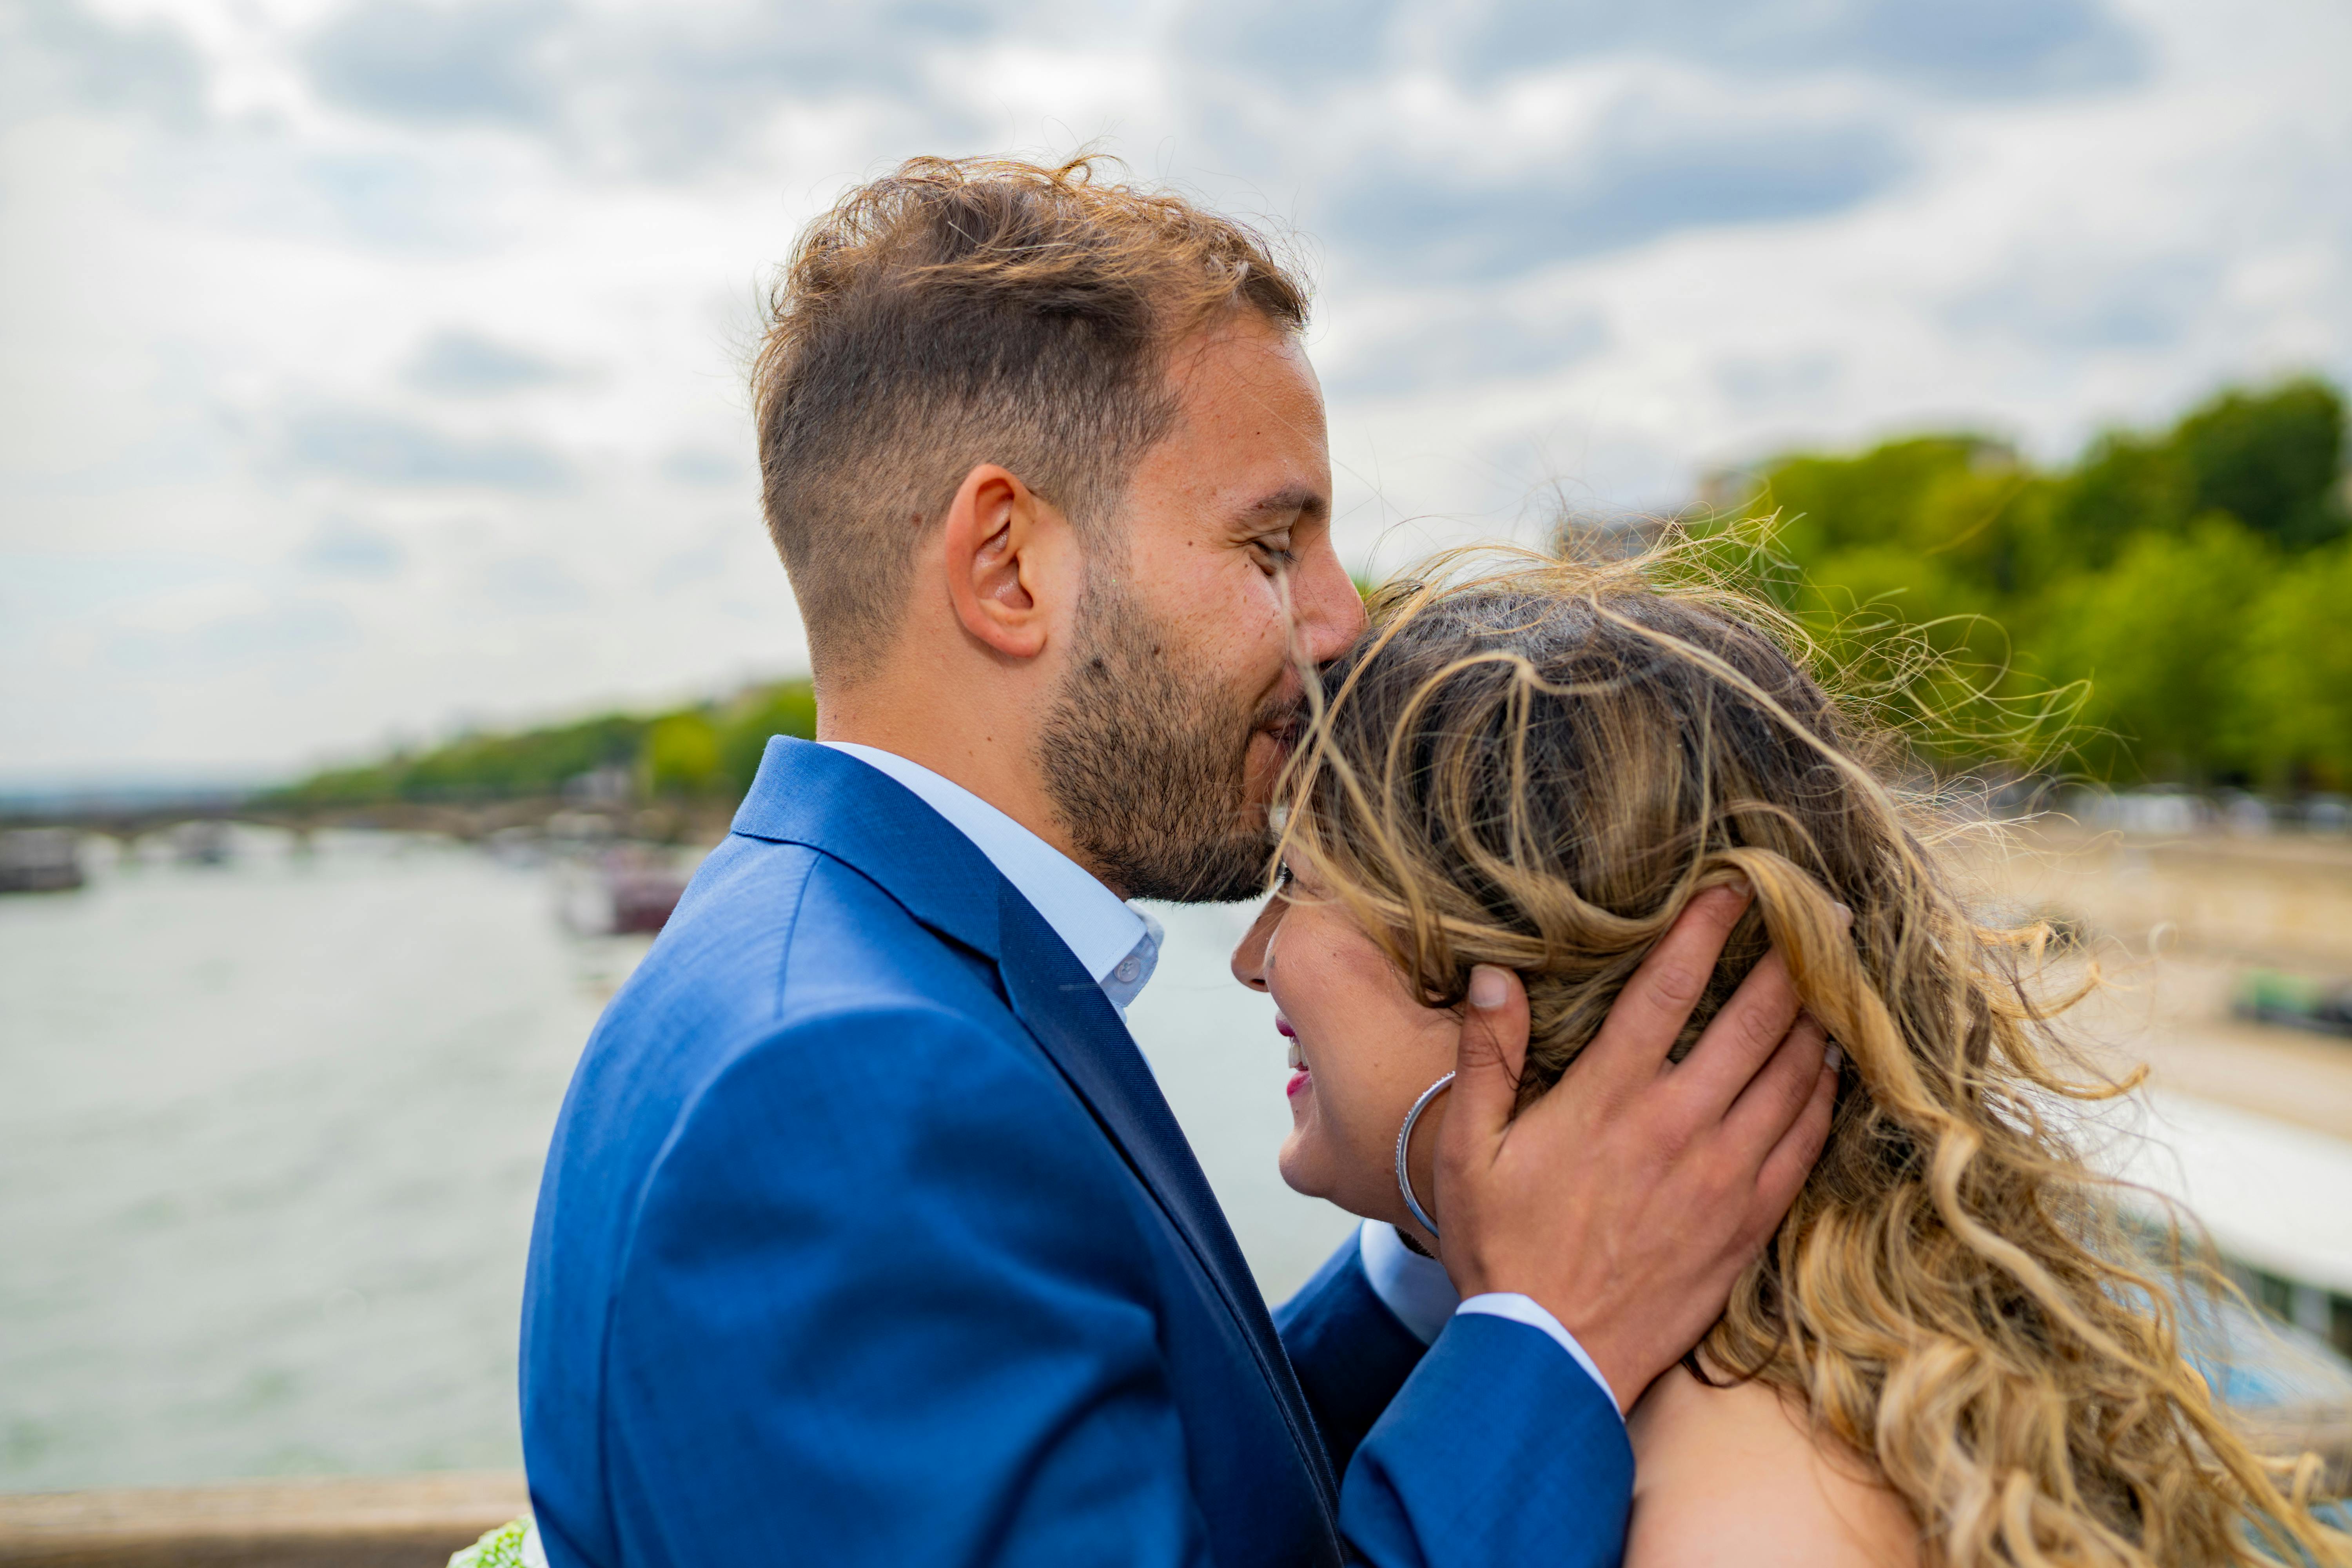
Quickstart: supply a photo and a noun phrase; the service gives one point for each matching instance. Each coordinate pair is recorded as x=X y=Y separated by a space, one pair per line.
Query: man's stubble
x=1145 y=758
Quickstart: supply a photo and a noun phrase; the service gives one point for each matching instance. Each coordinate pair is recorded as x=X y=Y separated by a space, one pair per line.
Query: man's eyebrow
x=1297 y=499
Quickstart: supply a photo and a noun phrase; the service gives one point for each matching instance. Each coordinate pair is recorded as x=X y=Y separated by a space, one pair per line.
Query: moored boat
x=40 y=860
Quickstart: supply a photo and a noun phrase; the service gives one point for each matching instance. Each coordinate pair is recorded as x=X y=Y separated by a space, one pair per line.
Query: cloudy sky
x=372 y=369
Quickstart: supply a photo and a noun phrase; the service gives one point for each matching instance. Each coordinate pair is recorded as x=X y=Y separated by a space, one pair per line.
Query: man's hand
x=1627 y=1200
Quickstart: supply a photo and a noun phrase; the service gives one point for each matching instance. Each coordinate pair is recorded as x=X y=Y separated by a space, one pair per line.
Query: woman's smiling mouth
x=1300 y=1071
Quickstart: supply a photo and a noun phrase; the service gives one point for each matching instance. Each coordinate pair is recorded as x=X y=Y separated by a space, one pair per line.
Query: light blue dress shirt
x=1113 y=941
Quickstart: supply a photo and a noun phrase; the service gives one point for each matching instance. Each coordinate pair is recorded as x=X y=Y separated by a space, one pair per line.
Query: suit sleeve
x=1498 y=1448
x=881 y=1306
x=1492 y=1445
x=1349 y=1351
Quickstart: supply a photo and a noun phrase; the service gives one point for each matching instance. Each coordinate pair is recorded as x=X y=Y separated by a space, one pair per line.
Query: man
x=865 y=1236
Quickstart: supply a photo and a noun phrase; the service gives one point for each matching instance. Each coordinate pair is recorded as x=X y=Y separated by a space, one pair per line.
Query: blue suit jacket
x=867 y=1237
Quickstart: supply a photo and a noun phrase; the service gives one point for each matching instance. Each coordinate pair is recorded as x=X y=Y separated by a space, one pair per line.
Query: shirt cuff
x=1523 y=1309
x=1414 y=1288
x=1417 y=1290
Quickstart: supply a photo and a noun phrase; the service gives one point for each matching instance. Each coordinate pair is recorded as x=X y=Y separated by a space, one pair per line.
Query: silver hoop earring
x=1404 y=1142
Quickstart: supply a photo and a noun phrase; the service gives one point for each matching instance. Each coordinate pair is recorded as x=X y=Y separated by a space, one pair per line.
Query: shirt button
x=1128 y=968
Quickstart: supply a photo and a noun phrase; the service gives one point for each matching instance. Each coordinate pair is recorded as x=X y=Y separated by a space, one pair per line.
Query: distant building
x=40 y=860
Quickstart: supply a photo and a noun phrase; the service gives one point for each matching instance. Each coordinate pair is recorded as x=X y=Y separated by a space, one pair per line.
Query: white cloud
x=372 y=362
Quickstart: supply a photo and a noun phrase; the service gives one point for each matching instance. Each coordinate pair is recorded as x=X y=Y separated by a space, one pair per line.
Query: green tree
x=2298 y=673
x=536 y=761
x=2125 y=486
x=2271 y=459
x=1832 y=503
x=680 y=755
x=2161 y=639
x=1954 y=507
x=1909 y=549
x=789 y=709
x=480 y=766
x=2189 y=575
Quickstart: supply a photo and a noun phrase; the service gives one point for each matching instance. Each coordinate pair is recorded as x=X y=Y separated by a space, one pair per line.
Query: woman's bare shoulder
x=1733 y=1476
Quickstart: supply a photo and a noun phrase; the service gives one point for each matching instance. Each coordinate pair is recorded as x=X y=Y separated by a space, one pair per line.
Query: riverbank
x=2249 y=1124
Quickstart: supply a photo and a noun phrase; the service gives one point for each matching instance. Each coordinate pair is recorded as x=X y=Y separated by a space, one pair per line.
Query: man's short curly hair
x=960 y=311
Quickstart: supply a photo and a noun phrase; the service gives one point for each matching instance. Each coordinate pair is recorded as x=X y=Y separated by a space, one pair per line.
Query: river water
x=270 y=1134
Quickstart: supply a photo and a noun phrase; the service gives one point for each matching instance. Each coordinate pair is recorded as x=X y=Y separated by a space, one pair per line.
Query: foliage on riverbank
x=711 y=748
x=2179 y=602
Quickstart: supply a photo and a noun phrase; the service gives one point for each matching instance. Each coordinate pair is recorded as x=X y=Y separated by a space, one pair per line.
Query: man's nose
x=1249 y=958
x=1330 y=613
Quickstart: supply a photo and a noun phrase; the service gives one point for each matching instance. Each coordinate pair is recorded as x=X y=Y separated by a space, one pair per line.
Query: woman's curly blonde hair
x=1536 y=763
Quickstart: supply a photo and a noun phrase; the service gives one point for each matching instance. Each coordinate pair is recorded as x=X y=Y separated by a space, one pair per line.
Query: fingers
x=1792 y=1160
x=1739 y=1040
x=1493 y=1048
x=1650 y=1012
x=1777 y=1097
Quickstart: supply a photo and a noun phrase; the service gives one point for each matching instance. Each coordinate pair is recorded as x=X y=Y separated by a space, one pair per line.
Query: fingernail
x=1833 y=1058
x=1845 y=916
x=1741 y=886
x=1486 y=987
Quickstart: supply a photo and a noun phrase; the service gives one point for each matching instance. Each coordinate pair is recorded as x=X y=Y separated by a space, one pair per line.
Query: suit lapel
x=1068 y=1015
x=808 y=795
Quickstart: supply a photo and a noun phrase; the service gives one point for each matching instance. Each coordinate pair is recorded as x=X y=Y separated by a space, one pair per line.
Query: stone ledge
x=379 y=1522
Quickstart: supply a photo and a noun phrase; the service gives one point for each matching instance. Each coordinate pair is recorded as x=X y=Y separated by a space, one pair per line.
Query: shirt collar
x=1115 y=942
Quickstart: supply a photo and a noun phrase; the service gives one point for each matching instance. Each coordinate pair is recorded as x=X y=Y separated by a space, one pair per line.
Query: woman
x=1947 y=1354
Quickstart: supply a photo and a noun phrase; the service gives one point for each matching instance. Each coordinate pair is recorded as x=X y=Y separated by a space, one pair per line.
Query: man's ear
x=1001 y=540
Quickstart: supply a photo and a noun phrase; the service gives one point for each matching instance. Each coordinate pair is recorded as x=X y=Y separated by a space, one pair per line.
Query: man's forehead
x=1248 y=395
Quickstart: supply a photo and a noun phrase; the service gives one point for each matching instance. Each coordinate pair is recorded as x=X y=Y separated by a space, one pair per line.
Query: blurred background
x=388 y=626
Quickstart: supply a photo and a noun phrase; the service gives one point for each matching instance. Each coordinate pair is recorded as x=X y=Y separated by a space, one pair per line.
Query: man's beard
x=1145 y=757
